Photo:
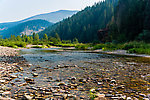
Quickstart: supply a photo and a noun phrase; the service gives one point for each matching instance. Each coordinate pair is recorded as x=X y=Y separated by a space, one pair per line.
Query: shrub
x=98 y=46
x=139 y=51
x=20 y=44
x=82 y=46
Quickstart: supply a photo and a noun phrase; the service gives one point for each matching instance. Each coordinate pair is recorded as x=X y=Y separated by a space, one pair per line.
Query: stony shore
x=10 y=63
x=103 y=81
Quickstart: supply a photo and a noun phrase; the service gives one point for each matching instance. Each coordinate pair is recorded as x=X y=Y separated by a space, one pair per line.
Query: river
x=81 y=71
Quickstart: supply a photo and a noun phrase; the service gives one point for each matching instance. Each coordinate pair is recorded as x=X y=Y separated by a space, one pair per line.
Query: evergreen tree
x=147 y=18
x=57 y=38
x=33 y=36
x=75 y=41
x=45 y=38
x=19 y=38
x=36 y=38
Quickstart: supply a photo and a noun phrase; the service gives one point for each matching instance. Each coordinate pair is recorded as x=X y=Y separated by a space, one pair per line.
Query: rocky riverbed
x=73 y=75
x=10 y=63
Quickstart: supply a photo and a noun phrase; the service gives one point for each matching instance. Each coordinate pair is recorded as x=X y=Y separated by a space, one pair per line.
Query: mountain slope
x=26 y=28
x=85 y=24
x=52 y=17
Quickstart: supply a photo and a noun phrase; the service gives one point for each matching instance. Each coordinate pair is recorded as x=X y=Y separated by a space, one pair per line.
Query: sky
x=14 y=10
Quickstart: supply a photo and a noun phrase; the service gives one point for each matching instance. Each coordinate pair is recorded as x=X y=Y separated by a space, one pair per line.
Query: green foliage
x=139 y=51
x=92 y=96
x=144 y=36
x=66 y=45
x=20 y=44
x=37 y=46
x=36 y=38
x=57 y=38
x=14 y=44
x=45 y=38
x=82 y=46
x=135 y=44
x=98 y=46
x=75 y=41
x=66 y=41
x=131 y=17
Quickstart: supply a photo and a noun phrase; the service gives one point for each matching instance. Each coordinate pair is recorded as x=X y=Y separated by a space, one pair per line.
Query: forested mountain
x=52 y=17
x=85 y=24
x=5 y=26
x=26 y=28
x=132 y=21
x=108 y=21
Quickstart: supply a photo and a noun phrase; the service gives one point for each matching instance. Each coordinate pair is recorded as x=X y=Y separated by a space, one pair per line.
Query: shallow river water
x=90 y=70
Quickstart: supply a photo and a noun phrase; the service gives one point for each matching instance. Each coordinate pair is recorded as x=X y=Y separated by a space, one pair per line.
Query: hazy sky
x=13 y=10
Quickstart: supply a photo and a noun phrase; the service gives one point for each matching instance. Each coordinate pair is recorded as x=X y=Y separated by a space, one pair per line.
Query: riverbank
x=7 y=51
x=10 y=62
x=121 y=52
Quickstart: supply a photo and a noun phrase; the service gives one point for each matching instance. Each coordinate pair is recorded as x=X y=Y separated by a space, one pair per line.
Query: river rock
x=2 y=81
x=23 y=84
x=61 y=83
x=27 y=97
x=99 y=83
x=20 y=68
x=75 y=65
x=28 y=79
x=57 y=94
x=73 y=78
x=34 y=74
x=92 y=90
x=13 y=76
x=129 y=98
x=58 y=66
x=100 y=96
x=109 y=95
x=82 y=80
x=113 y=81
x=33 y=69
x=66 y=66
x=142 y=95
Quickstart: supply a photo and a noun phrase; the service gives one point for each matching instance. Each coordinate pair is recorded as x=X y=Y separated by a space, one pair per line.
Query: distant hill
x=26 y=28
x=52 y=17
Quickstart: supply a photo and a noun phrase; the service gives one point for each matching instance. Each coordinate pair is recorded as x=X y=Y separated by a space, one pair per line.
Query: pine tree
x=147 y=18
x=45 y=38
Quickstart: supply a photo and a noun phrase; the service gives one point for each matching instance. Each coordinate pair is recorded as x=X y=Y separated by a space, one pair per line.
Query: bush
x=20 y=44
x=134 y=44
x=139 y=51
x=98 y=46
x=82 y=46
